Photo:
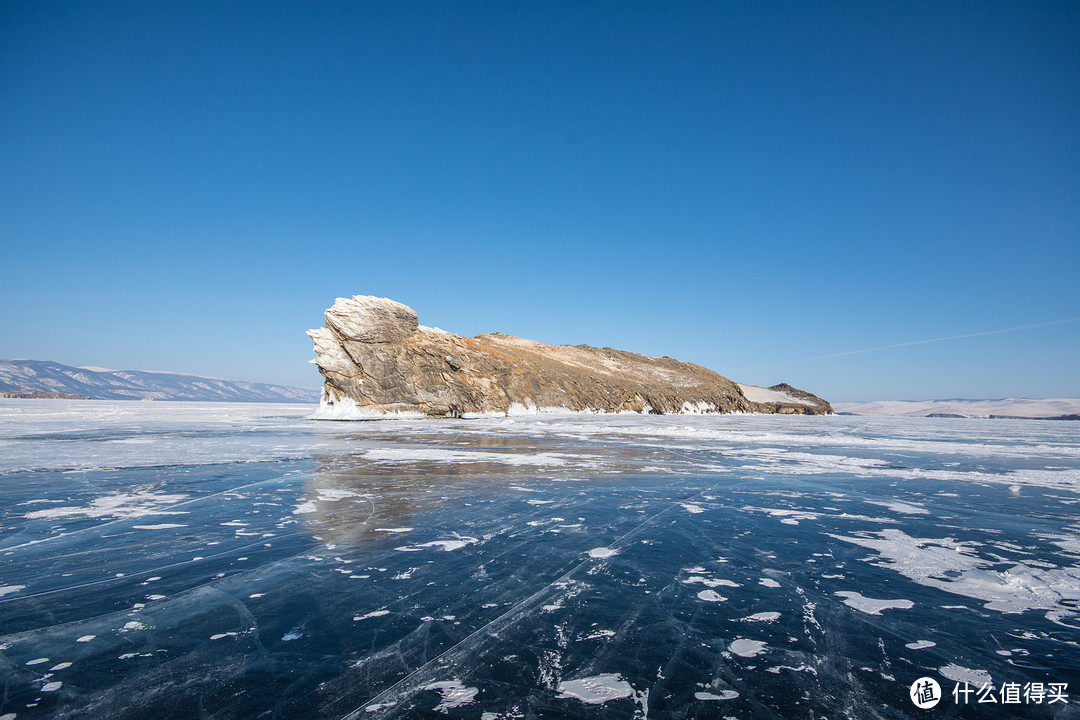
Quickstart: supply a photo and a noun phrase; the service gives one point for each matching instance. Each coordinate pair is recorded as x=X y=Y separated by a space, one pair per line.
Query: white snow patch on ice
x=920 y=645
x=456 y=544
x=219 y=636
x=762 y=617
x=454 y=694
x=1014 y=590
x=711 y=596
x=602 y=552
x=901 y=507
x=120 y=505
x=8 y=589
x=597 y=689
x=872 y=606
x=724 y=695
x=600 y=634
x=710 y=582
x=747 y=648
x=961 y=674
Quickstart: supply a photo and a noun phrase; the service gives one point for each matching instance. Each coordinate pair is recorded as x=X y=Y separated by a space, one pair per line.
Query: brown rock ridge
x=378 y=361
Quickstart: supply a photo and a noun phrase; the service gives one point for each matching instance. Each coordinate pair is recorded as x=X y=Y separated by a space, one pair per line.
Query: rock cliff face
x=378 y=360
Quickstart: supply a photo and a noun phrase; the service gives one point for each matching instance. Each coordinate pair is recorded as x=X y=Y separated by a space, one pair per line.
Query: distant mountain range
x=42 y=378
x=1040 y=409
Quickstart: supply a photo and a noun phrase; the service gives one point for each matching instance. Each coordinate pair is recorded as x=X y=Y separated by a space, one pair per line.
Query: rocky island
x=378 y=361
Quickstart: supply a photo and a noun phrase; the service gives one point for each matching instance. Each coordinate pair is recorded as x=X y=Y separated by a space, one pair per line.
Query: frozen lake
x=181 y=560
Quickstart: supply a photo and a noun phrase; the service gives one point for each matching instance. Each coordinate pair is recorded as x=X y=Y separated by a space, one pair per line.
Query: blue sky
x=760 y=188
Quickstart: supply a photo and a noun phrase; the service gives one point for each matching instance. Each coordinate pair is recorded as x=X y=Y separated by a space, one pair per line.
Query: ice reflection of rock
x=351 y=499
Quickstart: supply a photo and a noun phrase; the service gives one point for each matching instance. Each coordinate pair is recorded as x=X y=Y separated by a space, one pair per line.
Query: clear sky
x=764 y=188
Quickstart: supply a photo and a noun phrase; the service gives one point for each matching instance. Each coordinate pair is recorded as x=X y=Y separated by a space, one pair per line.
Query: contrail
x=921 y=342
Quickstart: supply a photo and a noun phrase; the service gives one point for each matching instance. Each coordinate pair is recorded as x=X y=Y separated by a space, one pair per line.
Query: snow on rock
x=757 y=394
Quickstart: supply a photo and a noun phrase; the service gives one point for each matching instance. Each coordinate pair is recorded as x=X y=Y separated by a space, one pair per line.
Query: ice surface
x=155 y=564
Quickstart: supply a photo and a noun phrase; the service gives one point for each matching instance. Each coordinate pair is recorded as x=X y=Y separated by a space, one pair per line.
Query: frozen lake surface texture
x=188 y=560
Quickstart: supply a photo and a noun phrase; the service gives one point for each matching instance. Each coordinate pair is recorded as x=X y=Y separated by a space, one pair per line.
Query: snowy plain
x=1004 y=407
x=242 y=561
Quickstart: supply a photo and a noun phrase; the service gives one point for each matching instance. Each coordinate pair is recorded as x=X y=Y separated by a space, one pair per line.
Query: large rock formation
x=378 y=360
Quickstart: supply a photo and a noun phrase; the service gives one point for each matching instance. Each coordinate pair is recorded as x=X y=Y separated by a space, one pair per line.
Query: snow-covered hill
x=1005 y=407
x=101 y=384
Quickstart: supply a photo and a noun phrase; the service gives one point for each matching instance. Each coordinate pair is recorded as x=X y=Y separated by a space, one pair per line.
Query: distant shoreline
x=1001 y=408
x=46 y=379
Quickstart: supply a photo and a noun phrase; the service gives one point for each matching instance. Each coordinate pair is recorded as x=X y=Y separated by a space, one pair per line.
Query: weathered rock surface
x=378 y=360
